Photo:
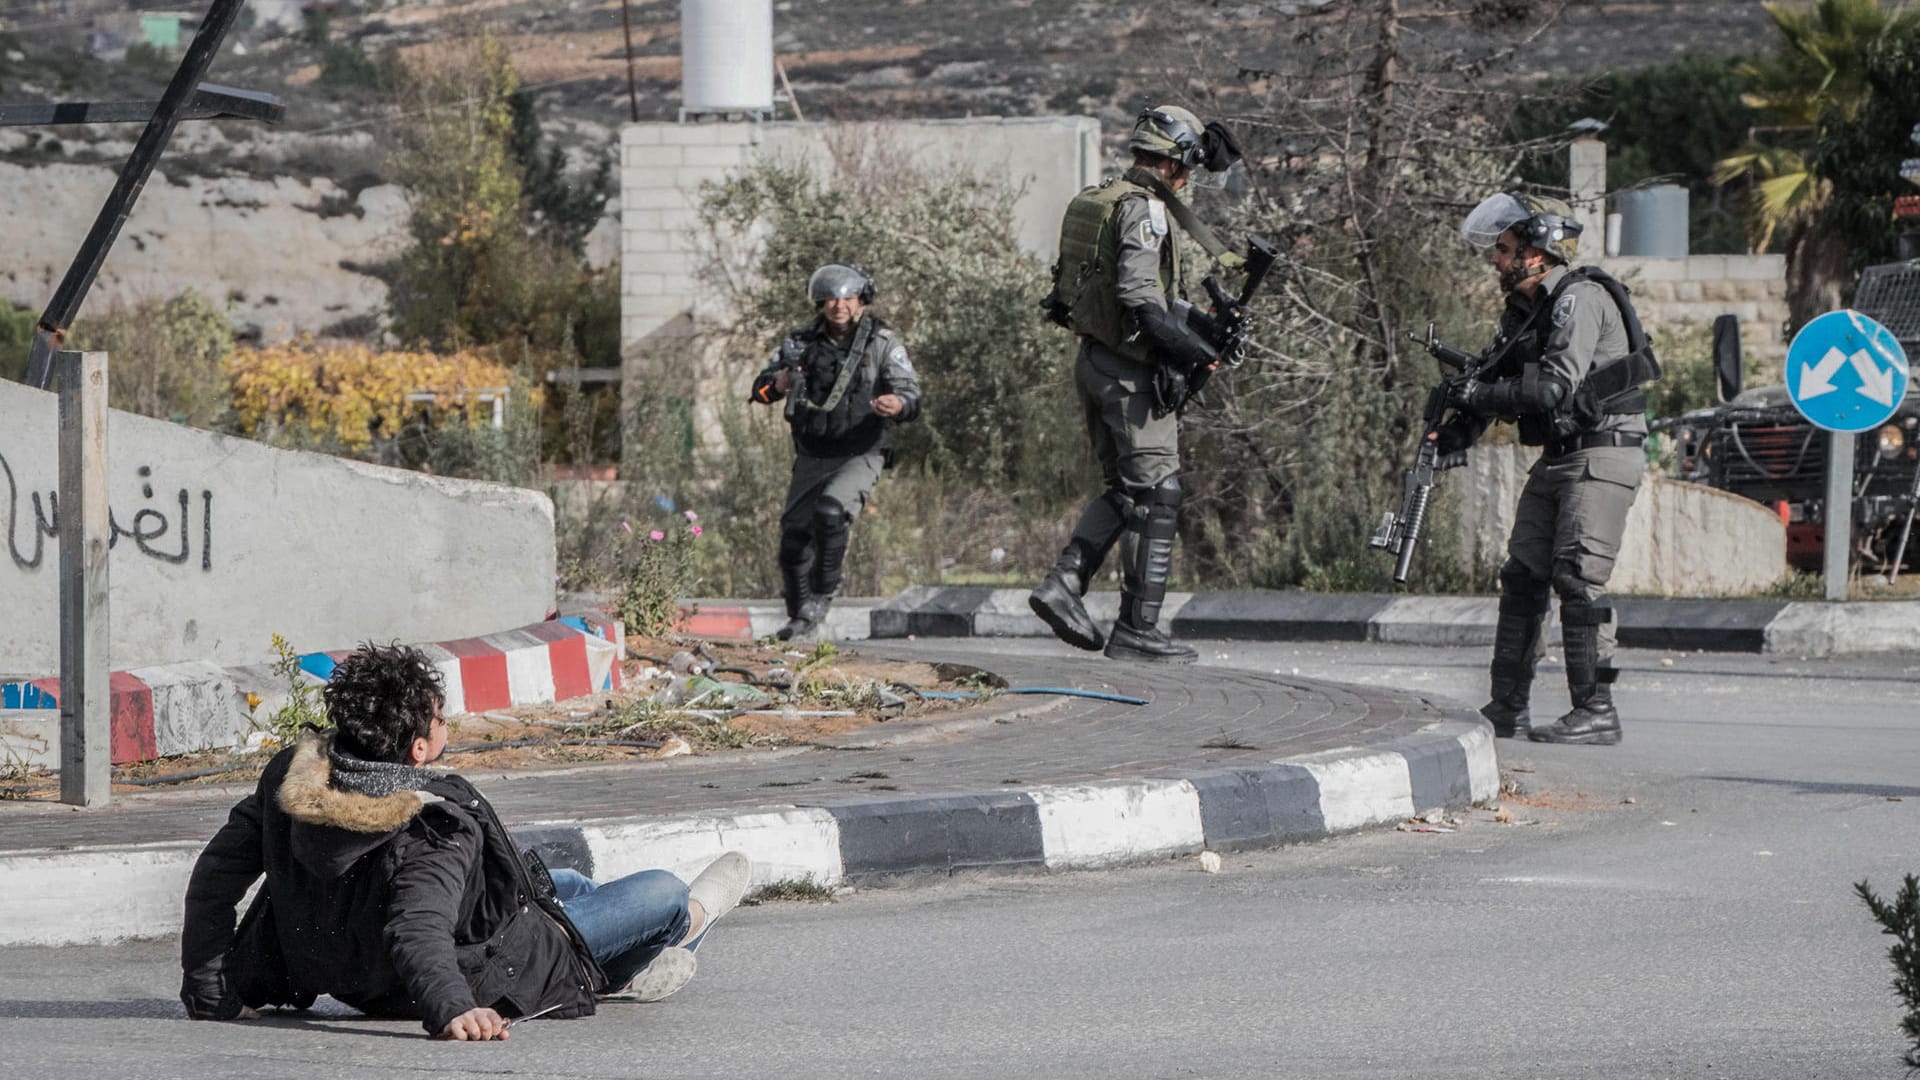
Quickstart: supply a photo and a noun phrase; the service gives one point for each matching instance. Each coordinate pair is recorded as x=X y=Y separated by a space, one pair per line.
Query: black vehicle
x=1758 y=445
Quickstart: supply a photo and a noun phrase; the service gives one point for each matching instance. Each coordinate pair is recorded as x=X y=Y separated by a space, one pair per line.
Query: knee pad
x=1517 y=580
x=829 y=516
x=1569 y=585
x=1156 y=510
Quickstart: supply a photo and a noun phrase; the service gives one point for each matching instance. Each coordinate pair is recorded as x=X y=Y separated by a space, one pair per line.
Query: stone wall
x=220 y=543
x=1700 y=288
x=1681 y=540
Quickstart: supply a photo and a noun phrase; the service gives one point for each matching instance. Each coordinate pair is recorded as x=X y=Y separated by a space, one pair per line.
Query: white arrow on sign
x=1875 y=382
x=1815 y=379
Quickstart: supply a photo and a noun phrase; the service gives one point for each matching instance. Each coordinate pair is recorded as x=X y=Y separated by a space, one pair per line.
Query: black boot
x=1508 y=709
x=1132 y=642
x=796 y=582
x=1146 y=562
x=796 y=585
x=1524 y=602
x=808 y=621
x=1057 y=601
x=1592 y=720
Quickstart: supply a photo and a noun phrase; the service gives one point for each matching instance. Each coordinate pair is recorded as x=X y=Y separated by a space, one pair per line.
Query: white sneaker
x=719 y=889
x=660 y=980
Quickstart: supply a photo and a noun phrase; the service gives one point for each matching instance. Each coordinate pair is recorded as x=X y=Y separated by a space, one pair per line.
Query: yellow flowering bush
x=353 y=393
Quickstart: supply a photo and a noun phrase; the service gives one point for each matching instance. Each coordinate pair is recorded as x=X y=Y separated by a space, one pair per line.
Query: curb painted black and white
x=1754 y=626
x=108 y=894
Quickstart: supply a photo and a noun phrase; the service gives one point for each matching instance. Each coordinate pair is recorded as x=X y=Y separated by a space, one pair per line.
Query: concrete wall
x=223 y=542
x=663 y=165
x=1681 y=540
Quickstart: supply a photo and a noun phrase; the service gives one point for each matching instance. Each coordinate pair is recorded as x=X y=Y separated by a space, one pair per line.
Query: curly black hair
x=382 y=698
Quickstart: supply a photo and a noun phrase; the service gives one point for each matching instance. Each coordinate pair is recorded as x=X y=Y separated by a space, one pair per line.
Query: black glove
x=1172 y=342
x=1451 y=441
x=1221 y=151
x=1476 y=397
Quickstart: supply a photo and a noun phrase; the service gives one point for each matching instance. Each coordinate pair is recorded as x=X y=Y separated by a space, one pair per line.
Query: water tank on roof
x=1653 y=221
x=726 y=57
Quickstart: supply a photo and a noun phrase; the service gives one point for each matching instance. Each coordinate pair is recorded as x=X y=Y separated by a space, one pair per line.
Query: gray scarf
x=374 y=778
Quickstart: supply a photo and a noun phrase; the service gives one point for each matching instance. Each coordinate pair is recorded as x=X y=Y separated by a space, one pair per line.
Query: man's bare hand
x=475 y=1025
x=782 y=381
x=889 y=405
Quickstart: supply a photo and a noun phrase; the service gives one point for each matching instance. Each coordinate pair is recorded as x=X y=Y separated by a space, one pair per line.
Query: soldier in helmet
x=846 y=379
x=1120 y=269
x=1568 y=364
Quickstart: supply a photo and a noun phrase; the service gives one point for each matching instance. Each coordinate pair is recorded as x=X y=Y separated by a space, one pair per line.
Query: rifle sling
x=1181 y=212
x=856 y=355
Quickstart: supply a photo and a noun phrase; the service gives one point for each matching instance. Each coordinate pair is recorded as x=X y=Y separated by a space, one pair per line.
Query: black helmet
x=835 y=280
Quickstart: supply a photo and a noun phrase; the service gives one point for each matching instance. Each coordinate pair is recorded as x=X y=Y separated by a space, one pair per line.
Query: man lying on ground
x=395 y=888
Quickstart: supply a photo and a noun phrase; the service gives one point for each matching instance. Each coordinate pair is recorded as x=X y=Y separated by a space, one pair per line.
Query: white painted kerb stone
x=1357 y=790
x=1103 y=824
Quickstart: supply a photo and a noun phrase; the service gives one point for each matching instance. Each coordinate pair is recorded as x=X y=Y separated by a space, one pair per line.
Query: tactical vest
x=833 y=403
x=1611 y=388
x=1086 y=277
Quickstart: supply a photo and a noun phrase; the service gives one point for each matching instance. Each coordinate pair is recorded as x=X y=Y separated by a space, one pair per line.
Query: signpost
x=1846 y=374
x=85 y=529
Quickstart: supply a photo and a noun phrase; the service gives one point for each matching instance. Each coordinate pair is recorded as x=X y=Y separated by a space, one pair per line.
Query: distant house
x=114 y=33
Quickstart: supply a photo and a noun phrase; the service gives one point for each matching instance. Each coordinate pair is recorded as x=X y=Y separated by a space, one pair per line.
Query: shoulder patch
x=1563 y=309
x=1157 y=216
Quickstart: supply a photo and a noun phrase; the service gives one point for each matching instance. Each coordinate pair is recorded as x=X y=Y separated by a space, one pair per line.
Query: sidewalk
x=1796 y=628
x=1217 y=760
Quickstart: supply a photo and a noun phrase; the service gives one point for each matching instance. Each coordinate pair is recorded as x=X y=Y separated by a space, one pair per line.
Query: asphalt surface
x=1677 y=906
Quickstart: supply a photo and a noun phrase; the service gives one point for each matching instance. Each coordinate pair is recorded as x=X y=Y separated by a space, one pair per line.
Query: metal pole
x=86 y=737
x=133 y=177
x=633 y=96
x=1839 y=511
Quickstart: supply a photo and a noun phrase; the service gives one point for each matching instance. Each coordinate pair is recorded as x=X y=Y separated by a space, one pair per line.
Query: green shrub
x=165 y=357
x=1901 y=920
x=306 y=706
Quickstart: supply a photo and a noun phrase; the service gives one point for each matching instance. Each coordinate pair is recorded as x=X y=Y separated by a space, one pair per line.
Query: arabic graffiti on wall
x=31 y=521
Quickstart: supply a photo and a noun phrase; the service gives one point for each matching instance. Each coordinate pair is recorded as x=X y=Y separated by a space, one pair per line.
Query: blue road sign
x=1846 y=372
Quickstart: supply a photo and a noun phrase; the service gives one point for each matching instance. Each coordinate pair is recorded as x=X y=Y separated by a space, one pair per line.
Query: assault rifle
x=1221 y=332
x=1400 y=533
x=793 y=357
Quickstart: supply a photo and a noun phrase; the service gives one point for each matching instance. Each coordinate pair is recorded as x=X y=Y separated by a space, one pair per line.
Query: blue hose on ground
x=970 y=695
x=1068 y=692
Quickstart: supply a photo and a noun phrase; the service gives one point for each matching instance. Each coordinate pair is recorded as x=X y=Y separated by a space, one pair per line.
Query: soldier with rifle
x=1144 y=351
x=1567 y=364
x=846 y=380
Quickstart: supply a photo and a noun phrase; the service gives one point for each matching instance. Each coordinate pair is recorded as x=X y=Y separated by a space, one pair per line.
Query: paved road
x=1704 y=928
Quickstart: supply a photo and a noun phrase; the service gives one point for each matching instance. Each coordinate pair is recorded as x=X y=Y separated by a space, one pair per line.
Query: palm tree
x=1818 y=72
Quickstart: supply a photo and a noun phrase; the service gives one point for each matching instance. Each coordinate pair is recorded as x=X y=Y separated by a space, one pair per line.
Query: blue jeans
x=626 y=922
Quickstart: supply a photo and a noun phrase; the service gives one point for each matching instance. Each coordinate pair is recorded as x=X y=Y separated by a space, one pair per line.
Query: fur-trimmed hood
x=332 y=828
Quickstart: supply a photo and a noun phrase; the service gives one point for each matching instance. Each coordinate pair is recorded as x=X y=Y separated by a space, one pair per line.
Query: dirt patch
x=681 y=697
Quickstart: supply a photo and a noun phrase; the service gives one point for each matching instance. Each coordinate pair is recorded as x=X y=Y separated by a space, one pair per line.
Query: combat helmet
x=1169 y=131
x=838 y=280
x=1541 y=222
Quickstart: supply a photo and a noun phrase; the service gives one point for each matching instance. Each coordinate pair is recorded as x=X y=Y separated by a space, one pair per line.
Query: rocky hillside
x=310 y=195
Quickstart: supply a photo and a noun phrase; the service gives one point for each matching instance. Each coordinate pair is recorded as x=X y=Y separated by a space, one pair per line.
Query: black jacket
x=411 y=904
